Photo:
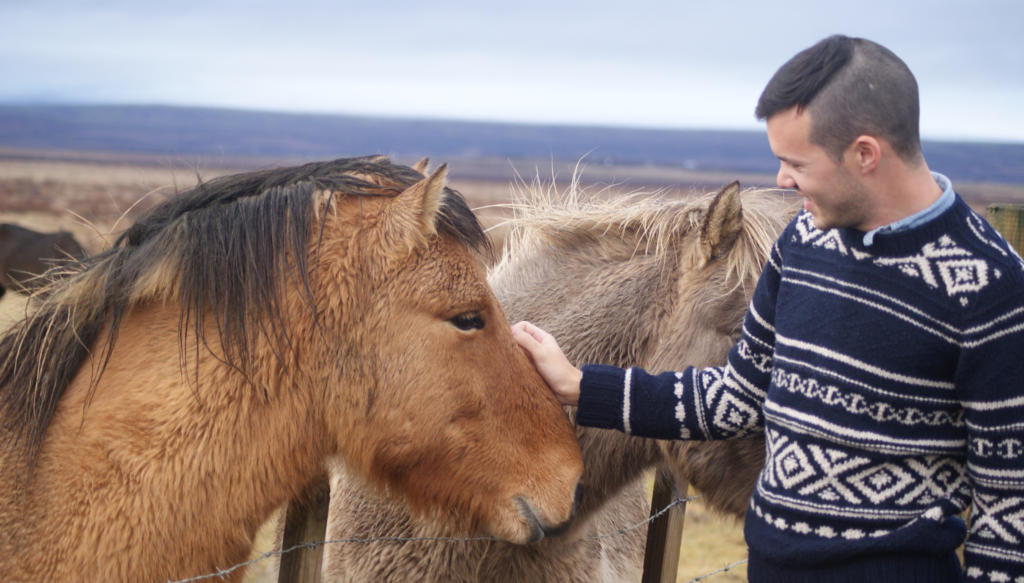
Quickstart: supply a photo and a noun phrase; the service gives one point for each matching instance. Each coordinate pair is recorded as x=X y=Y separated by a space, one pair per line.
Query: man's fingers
x=523 y=338
x=538 y=334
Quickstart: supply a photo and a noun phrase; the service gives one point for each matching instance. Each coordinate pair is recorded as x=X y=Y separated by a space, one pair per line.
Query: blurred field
x=92 y=198
x=711 y=543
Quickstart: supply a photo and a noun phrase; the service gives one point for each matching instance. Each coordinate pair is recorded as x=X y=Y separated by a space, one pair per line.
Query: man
x=882 y=354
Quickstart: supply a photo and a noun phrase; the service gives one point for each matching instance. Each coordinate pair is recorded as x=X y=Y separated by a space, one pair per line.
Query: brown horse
x=656 y=283
x=159 y=403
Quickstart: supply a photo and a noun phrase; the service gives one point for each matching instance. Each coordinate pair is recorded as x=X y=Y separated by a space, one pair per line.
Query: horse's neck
x=166 y=461
x=613 y=461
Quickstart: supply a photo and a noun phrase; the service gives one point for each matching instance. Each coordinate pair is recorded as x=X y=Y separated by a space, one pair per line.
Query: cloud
x=653 y=64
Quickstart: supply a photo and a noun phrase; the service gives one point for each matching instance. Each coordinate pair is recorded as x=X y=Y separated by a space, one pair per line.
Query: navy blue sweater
x=888 y=383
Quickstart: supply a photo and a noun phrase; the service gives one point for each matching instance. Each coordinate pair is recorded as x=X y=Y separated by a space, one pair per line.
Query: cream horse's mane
x=577 y=217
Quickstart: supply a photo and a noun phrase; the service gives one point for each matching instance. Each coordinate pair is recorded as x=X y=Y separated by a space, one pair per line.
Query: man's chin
x=822 y=223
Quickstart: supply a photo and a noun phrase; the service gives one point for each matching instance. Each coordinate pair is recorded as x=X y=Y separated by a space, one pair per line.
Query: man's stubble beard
x=850 y=207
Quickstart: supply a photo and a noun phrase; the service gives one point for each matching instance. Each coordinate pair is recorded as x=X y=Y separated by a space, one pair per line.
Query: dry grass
x=89 y=200
x=710 y=543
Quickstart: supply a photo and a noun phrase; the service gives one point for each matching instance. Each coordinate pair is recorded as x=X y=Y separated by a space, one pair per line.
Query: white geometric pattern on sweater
x=735 y=416
x=834 y=463
x=880 y=483
x=993 y=576
x=956 y=266
x=856 y=403
x=732 y=415
x=684 y=433
x=928 y=479
x=978 y=226
x=1009 y=448
x=785 y=464
x=762 y=361
x=806 y=229
x=830 y=239
x=939 y=477
x=998 y=517
x=713 y=379
x=824 y=531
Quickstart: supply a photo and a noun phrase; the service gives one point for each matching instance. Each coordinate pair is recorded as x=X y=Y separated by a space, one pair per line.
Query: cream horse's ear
x=722 y=224
x=422 y=166
x=411 y=216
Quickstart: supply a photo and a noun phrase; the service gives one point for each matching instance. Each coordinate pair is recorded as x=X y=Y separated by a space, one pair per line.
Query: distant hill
x=221 y=132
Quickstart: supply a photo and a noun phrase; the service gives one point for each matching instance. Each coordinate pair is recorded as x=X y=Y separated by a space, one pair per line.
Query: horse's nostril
x=540 y=529
x=537 y=529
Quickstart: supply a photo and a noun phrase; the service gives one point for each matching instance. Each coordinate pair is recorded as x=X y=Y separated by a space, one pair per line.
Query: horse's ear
x=722 y=224
x=411 y=215
x=422 y=166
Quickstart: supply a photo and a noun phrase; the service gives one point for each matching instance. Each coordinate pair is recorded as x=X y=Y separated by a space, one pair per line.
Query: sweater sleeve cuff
x=600 y=402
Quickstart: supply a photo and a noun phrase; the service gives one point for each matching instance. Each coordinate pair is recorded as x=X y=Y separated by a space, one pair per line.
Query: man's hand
x=551 y=363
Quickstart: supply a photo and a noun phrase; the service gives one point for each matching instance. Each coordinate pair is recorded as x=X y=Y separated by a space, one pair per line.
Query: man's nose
x=783 y=179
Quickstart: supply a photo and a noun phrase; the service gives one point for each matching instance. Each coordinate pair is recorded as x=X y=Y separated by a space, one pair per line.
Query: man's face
x=831 y=193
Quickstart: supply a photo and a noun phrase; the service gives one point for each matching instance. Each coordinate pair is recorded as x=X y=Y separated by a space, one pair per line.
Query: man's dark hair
x=850 y=87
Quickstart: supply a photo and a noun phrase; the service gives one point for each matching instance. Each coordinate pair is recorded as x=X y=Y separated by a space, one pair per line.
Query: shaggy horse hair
x=163 y=397
x=651 y=282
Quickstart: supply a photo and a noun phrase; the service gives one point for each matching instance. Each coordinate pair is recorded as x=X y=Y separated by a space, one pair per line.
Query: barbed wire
x=722 y=570
x=221 y=573
x=312 y=545
x=652 y=517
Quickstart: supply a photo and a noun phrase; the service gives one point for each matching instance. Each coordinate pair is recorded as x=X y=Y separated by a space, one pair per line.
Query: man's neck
x=901 y=191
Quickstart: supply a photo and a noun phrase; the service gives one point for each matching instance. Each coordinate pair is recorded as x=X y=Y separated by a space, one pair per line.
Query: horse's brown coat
x=658 y=284
x=164 y=466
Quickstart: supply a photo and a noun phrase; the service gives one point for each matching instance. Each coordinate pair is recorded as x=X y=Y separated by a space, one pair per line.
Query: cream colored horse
x=656 y=283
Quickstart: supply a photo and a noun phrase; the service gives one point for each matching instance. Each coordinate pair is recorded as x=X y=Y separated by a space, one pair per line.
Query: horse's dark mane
x=227 y=247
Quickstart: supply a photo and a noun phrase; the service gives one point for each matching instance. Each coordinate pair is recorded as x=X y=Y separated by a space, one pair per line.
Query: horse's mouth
x=540 y=528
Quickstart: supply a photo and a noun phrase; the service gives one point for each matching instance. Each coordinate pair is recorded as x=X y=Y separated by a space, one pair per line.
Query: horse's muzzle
x=538 y=527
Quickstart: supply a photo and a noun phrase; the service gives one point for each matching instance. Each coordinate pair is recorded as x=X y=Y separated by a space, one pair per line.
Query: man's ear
x=410 y=217
x=865 y=153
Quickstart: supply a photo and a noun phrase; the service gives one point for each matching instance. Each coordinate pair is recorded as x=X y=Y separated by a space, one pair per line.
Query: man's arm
x=990 y=384
x=709 y=403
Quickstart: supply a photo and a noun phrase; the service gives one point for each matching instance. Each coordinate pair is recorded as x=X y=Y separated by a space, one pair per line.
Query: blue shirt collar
x=919 y=218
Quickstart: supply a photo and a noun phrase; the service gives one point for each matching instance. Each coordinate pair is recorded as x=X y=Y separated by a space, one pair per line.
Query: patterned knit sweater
x=889 y=383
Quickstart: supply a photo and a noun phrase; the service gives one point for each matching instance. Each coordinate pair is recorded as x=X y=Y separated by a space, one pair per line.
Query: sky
x=651 y=64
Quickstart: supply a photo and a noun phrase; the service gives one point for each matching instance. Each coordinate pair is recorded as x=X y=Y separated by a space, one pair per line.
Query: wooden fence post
x=665 y=533
x=1007 y=219
x=305 y=522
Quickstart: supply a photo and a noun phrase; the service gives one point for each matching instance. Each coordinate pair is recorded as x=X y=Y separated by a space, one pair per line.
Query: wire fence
x=722 y=570
x=222 y=573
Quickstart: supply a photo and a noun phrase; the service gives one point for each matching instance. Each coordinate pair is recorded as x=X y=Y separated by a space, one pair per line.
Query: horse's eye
x=468 y=321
